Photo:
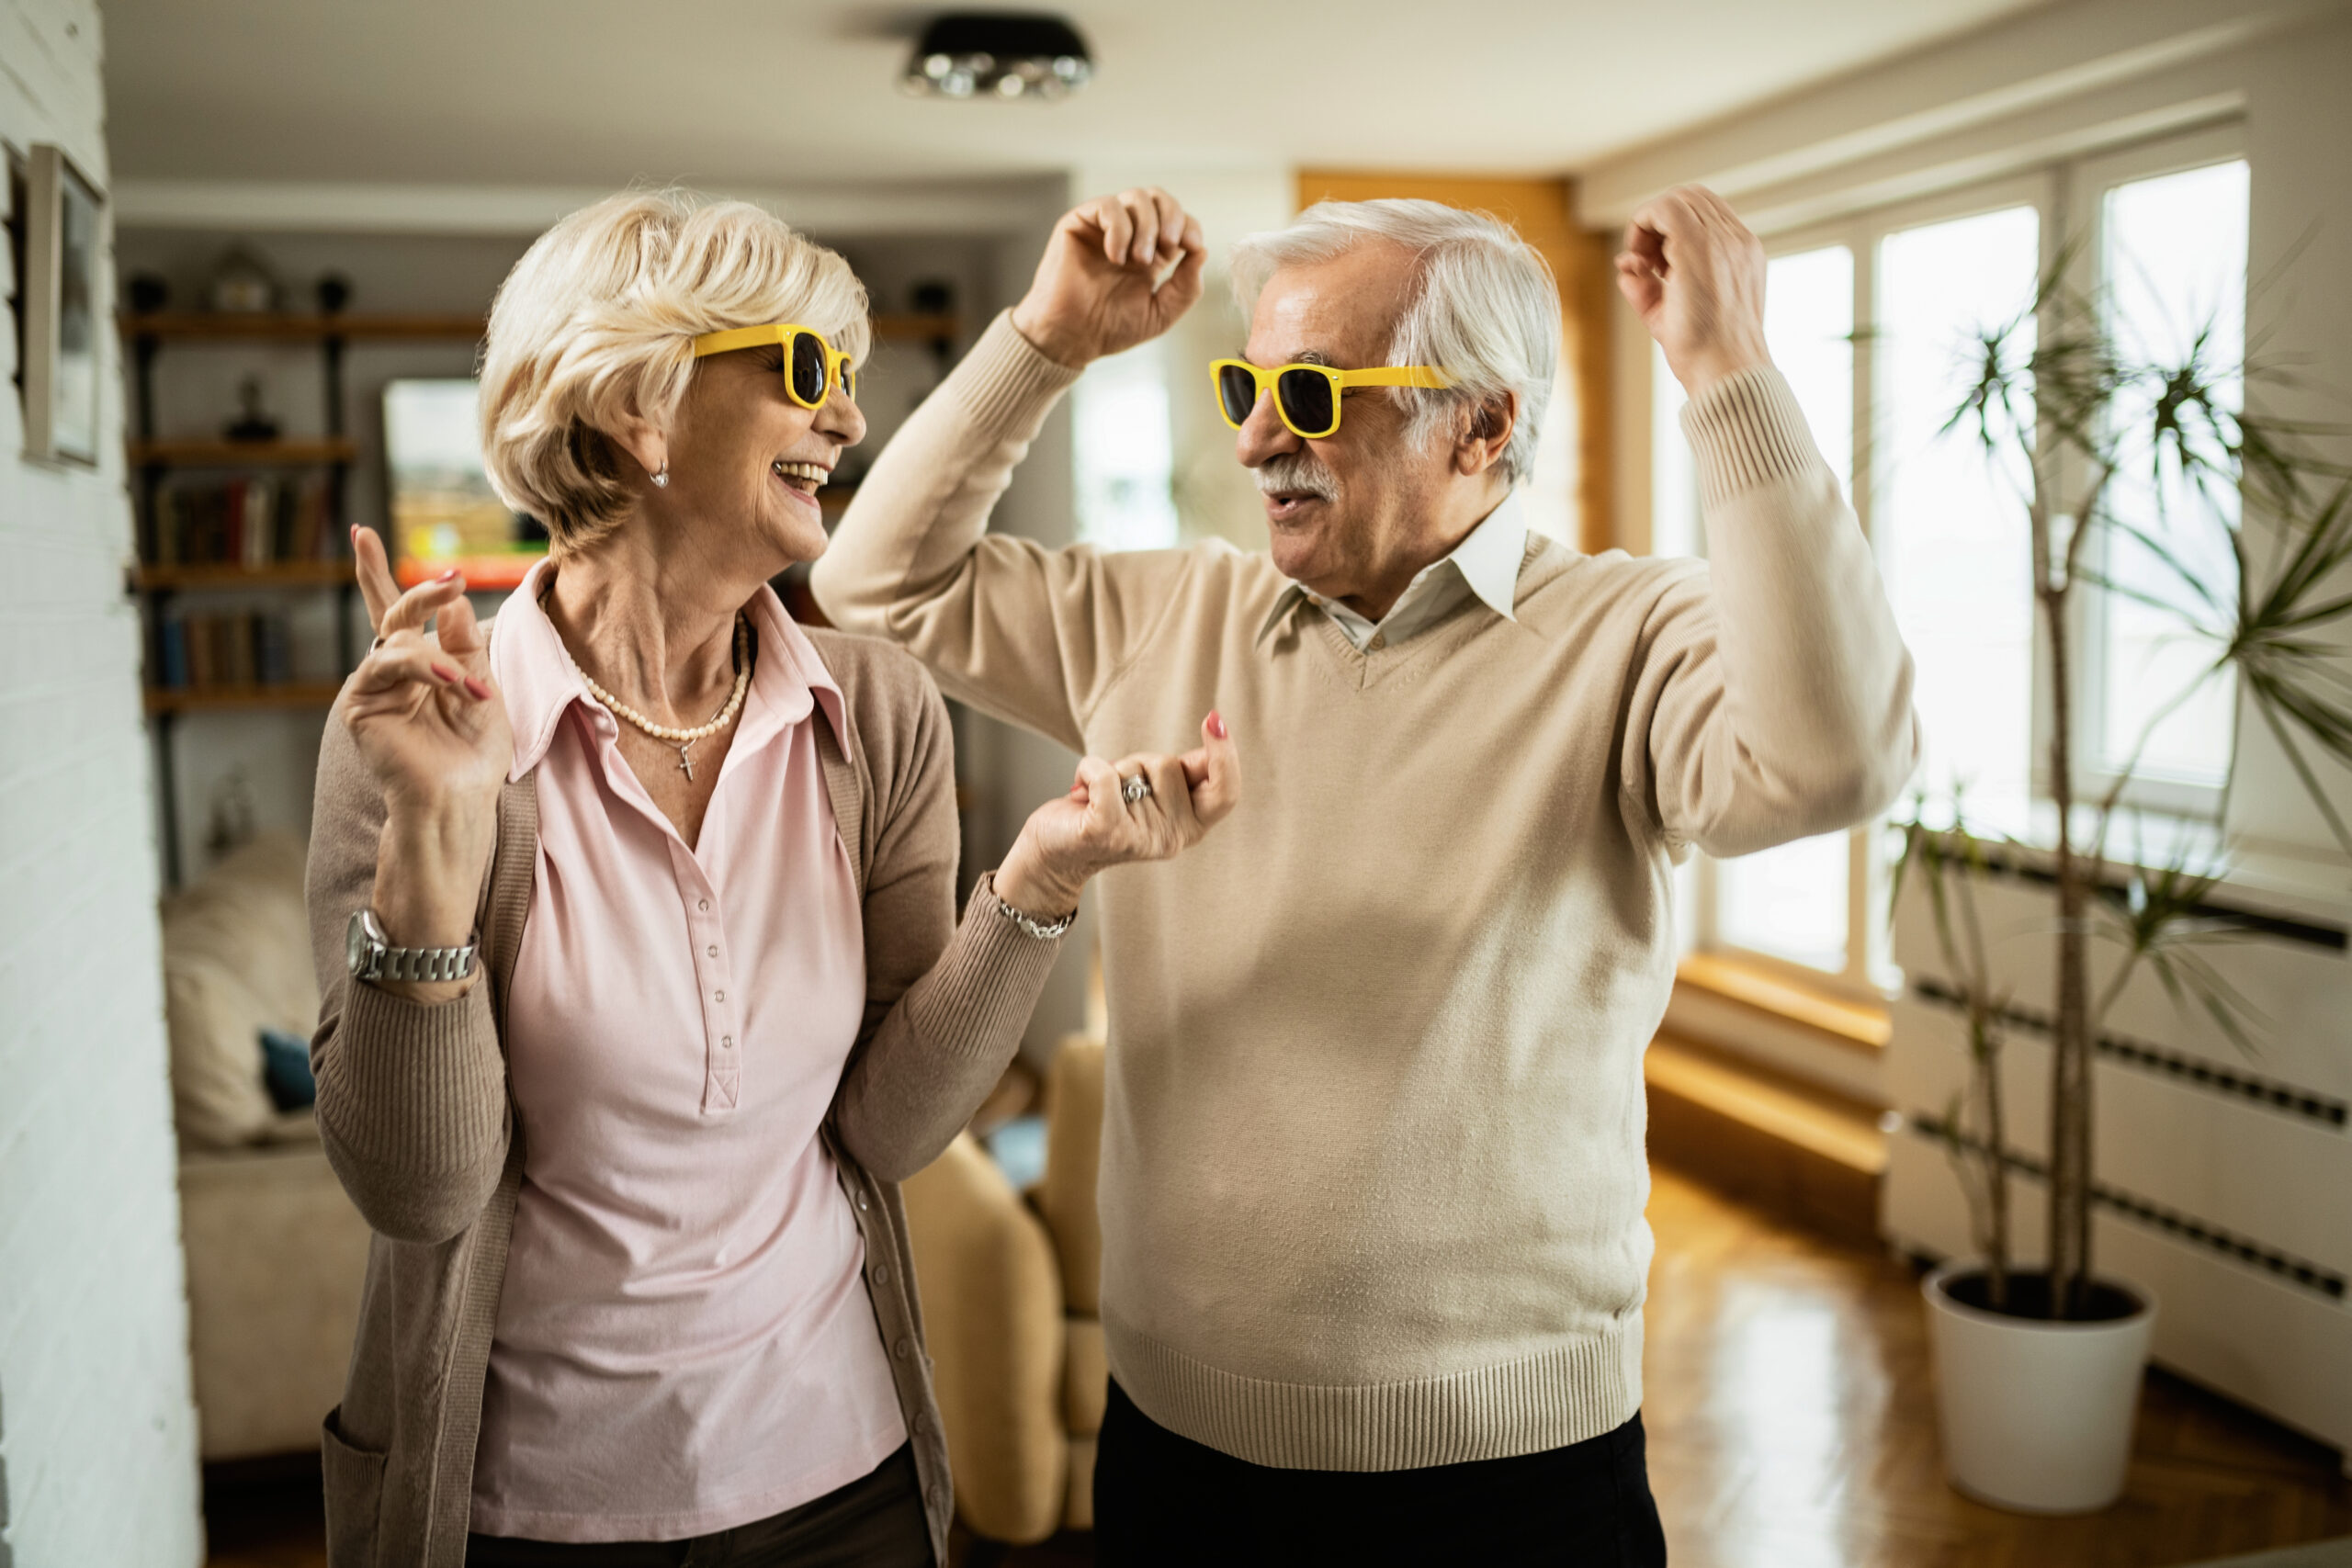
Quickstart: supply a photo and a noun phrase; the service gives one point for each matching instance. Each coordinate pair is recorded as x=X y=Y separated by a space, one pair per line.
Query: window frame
x=2058 y=191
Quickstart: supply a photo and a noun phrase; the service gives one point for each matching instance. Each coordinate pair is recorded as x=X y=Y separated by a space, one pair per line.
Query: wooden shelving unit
x=915 y=329
x=153 y=456
x=223 y=699
x=185 y=326
x=225 y=574
x=201 y=453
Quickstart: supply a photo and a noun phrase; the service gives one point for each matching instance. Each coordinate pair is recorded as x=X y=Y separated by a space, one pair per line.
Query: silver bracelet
x=1029 y=925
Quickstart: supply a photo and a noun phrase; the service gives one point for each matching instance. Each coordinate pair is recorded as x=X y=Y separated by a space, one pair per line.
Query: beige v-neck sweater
x=1372 y=1171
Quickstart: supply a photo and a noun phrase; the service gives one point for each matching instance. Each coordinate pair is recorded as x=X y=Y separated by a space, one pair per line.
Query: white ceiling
x=773 y=93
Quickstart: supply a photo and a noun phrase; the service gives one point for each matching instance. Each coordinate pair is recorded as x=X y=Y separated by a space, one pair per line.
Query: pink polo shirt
x=684 y=1343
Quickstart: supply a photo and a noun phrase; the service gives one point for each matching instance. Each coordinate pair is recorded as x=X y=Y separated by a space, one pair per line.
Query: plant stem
x=1997 y=1172
x=2070 y=1088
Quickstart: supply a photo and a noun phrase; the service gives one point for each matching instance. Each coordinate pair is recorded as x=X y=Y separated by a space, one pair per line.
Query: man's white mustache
x=1297 y=473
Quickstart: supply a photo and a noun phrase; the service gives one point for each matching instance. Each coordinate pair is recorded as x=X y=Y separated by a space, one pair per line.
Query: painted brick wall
x=97 y=1431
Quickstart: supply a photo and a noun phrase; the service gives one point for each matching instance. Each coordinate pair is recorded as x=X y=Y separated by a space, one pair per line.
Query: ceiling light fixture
x=1000 y=54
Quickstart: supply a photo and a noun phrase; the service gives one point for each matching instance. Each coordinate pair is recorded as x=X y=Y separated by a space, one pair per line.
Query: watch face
x=355 y=942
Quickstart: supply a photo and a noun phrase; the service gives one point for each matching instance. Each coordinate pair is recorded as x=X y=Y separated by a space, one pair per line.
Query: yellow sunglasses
x=1306 y=396
x=812 y=366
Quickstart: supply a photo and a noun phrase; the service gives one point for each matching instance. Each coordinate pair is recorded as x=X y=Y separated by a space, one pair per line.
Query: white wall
x=97 y=1431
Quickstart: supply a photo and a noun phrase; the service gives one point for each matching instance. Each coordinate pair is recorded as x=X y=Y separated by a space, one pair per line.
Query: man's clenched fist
x=1695 y=275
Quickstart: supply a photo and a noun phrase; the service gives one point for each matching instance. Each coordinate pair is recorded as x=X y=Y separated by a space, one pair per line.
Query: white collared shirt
x=1485 y=563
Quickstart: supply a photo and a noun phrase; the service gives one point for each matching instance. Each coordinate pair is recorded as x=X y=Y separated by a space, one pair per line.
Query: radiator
x=2224 y=1177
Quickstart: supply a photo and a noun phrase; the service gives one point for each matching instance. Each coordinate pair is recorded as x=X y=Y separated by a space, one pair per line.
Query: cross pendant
x=685 y=764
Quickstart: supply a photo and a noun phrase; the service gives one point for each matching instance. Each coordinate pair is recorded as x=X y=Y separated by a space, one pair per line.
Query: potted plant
x=2039 y=1370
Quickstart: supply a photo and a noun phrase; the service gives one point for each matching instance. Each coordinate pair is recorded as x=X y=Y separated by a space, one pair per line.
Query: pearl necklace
x=681 y=739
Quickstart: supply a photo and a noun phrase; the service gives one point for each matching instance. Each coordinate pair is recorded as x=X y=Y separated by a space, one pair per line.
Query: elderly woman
x=644 y=986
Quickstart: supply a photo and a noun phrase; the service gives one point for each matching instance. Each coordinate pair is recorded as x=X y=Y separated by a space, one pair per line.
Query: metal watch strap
x=369 y=956
x=1030 y=925
x=425 y=962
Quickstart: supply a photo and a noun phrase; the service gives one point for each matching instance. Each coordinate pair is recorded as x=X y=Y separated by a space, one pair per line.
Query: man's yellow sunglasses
x=1306 y=396
x=812 y=366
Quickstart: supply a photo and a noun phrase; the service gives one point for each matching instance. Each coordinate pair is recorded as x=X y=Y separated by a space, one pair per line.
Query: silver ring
x=1133 y=787
x=376 y=644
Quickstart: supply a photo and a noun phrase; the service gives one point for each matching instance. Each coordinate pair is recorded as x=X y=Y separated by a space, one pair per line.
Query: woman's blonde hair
x=597 y=325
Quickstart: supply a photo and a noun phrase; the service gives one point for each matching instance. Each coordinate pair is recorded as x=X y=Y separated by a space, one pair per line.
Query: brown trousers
x=877 y=1522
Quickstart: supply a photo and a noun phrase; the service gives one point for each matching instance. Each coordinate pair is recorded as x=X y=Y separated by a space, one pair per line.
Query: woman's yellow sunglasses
x=812 y=366
x=1306 y=396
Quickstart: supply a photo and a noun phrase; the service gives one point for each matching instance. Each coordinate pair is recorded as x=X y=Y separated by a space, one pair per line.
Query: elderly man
x=1373 y=1172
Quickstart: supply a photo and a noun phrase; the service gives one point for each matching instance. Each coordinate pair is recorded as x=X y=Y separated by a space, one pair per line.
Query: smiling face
x=1354 y=514
x=746 y=463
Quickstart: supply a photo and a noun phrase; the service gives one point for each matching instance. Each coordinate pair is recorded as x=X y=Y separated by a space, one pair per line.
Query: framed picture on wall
x=63 y=308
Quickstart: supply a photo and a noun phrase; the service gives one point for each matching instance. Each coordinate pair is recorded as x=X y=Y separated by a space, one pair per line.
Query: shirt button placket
x=722 y=1070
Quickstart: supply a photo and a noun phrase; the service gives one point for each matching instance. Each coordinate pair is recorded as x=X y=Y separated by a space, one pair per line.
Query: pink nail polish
x=445 y=672
x=449 y=576
x=479 y=693
x=1217 y=724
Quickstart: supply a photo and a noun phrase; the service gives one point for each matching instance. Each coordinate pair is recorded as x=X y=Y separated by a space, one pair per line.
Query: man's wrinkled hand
x=1118 y=271
x=1695 y=274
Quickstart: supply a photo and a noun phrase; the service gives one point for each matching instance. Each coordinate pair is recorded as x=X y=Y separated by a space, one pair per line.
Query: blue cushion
x=286 y=1068
x=1018 y=1149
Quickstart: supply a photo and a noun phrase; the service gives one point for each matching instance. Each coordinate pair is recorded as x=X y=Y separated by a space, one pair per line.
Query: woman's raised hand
x=420 y=707
x=1097 y=825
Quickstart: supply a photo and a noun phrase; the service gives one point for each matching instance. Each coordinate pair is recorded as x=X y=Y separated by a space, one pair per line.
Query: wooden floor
x=1790 y=1426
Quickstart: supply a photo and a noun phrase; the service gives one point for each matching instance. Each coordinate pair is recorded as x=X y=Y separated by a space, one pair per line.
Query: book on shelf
x=198 y=652
x=254 y=521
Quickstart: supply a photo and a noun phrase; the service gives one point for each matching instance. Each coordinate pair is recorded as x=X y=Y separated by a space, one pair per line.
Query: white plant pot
x=2036 y=1416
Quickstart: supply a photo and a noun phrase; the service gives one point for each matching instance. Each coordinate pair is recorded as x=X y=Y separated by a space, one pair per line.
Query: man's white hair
x=1483 y=308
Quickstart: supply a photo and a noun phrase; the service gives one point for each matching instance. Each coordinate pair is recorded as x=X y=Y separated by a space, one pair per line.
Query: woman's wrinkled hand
x=1096 y=826
x=420 y=706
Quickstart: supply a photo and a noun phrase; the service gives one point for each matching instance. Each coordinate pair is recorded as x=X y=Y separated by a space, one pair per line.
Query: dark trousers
x=875 y=1522
x=1162 y=1499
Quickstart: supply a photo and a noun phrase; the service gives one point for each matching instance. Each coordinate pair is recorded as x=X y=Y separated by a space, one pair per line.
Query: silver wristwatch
x=370 y=957
x=1028 y=924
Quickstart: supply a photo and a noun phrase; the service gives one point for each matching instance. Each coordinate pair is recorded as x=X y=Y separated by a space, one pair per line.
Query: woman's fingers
x=414 y=662
x=460 y=635
x=1101 y=782
x=374 y=572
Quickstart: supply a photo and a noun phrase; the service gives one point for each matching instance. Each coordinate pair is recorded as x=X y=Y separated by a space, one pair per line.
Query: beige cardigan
x=414 y=1110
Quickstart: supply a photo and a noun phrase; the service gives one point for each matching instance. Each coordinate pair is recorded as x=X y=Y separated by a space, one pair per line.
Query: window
x=2167 y=257
x=1792 y=902
x=1951 y=535
x=1125 y=452
x=2172 y=257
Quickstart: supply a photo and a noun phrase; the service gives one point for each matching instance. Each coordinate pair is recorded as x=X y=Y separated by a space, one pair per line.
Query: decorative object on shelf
x=60 y=302
x=2078 y=412
x=332 y=292
x=251 y=423
x=998 y=54
x=243 y=285
x=147 y=293
x=932 y=296
x=233 y=814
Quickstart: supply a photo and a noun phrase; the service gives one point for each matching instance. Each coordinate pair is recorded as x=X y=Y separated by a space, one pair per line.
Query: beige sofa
x=276 y=1253
x=1010 y=1294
